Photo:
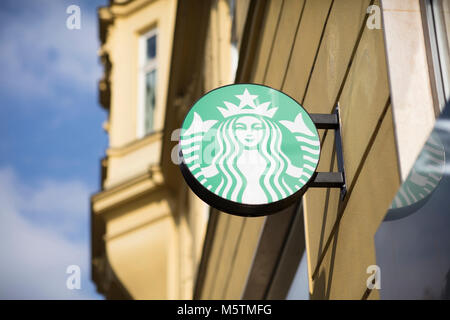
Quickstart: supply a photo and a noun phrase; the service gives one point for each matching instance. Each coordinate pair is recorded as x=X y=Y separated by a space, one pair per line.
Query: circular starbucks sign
x=248 y=149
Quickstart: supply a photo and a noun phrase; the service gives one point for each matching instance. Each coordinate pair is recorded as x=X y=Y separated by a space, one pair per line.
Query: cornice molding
x=125 y=8
x=127 y=191
x=134 y=145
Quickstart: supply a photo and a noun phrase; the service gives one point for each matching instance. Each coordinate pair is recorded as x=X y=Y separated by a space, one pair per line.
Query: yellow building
x=152 y=238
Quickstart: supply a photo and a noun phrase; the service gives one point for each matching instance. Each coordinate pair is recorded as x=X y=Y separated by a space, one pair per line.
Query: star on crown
x=247 y=99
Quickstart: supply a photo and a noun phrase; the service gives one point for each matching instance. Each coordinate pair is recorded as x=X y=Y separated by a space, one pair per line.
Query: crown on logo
x=247 y=101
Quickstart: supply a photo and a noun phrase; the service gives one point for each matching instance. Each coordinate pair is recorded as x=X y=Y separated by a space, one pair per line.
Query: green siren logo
x=247 y=146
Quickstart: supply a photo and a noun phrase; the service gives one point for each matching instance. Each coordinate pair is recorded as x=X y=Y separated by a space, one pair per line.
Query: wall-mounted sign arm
x=327 y=180
x=331 y=179
x=325 y=121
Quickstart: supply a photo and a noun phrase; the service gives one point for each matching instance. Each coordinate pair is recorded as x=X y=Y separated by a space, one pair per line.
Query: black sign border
x=236 y=208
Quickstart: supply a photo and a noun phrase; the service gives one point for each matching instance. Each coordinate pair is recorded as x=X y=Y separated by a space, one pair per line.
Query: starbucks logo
x=245 y=147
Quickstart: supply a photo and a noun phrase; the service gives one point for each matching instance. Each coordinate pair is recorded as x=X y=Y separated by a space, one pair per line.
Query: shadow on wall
x=318 y=292
x=322 y=283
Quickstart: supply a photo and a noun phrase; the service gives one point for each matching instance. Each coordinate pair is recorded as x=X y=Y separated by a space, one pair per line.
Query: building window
x=148 y=77
x=436 y=20
x=413 y=243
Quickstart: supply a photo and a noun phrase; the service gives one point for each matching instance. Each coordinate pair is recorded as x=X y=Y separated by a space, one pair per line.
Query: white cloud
x=35 y=258
x=58 y=203
x=64 y=196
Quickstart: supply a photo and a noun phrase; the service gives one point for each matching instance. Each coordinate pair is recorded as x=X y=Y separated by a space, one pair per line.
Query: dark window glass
x=151 y=47
x=150 y=100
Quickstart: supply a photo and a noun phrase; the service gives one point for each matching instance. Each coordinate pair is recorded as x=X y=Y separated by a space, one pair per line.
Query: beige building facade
x=152 y=238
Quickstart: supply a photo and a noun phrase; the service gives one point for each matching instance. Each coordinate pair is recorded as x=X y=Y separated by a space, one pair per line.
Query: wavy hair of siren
x=228 y=150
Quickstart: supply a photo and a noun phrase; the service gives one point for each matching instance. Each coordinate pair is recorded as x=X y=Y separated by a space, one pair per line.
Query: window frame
x=438 y=78
x=145 y=67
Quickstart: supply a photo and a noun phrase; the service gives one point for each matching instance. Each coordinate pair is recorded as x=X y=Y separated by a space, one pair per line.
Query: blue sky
x=51 y=142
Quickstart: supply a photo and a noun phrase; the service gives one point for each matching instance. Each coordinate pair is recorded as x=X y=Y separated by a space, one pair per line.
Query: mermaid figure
x=248 y=162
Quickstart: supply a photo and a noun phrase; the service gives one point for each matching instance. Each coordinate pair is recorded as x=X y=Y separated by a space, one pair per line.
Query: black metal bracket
x=331 y=179
x=327 y=180
x=325 y=121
